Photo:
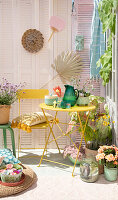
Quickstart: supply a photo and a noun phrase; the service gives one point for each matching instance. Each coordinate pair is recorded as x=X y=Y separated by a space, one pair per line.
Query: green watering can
x=70 y=95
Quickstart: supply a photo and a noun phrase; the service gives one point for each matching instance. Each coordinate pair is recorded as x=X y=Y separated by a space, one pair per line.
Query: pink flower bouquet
x=108 y=155
x=72 y=150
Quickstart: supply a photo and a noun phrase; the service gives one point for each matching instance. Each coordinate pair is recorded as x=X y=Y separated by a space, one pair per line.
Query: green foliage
x=98 y=130
x=98 y=133
x=96 y=101
x=108 y=19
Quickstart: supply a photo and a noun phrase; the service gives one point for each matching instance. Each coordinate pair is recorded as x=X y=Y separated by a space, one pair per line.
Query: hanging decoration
x=79 y=42
x=57 y=24
x=68 y=65
x=32 y=40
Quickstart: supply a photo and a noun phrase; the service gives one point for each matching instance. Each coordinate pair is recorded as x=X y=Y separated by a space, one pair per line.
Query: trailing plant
x=107 y=14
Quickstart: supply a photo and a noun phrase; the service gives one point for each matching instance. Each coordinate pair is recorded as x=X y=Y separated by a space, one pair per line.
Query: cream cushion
x=29 y=119
x=34 y=118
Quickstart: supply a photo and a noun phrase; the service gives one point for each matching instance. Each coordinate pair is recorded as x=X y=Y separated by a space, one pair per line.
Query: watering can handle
x=77 y=93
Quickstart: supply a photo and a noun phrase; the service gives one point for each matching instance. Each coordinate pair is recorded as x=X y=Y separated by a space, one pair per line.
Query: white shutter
x=18 y=65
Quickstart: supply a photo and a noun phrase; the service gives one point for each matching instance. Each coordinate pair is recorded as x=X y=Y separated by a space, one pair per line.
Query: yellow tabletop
x=72 y=109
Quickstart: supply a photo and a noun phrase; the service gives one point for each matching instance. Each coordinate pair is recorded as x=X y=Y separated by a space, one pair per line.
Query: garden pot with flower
x=108 y=156
x=8 y=95
x=72 y=150
x=11 y=173
x=4 y=113
x=85 y=90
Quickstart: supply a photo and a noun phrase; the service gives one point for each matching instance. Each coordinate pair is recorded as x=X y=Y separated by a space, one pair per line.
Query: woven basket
x=4 y=114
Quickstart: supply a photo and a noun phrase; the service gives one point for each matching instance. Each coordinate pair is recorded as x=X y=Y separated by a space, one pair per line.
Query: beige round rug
x=30 y=178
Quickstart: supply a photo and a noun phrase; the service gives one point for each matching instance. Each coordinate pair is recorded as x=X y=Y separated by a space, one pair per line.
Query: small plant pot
x=110 y=174
x=90 y=153
x=4 y=114
x=82 y=101
x=6 y=178
x=89 y=170
x=73 y=160
x=50 y=99
x=11 y=178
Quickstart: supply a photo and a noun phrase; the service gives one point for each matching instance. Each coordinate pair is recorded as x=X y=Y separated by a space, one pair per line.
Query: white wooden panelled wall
x=18 y=65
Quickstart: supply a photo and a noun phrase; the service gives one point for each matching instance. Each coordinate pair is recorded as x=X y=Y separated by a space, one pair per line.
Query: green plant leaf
x=108 y=19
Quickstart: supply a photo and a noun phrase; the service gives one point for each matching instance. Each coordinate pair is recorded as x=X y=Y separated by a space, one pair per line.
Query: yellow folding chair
x=31 y=94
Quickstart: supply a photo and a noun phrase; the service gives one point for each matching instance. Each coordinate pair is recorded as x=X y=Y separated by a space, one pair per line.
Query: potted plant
x=98 y=132
x=98 y=129
x=11 y=173
x=8 y=95
x=72 y=150
x=108 y=156
x=84 y=92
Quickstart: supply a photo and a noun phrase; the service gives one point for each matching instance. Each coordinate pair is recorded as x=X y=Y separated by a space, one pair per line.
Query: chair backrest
x=32 y=93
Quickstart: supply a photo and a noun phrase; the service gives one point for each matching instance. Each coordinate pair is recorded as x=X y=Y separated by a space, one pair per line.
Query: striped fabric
x=97 y=46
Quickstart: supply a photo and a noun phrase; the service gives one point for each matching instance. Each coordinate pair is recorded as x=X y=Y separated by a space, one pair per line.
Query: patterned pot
x=4 y=113
x=82 y=101
x=50 y=99
x=110 y=174
x=89 y=170
x=73 y=160
x=7 y=178
x=92 y=154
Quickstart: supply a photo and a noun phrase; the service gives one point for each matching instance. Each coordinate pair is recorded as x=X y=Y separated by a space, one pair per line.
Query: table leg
x=51 y=128
x=83 y=136
x=51 y=131
x=44 y=150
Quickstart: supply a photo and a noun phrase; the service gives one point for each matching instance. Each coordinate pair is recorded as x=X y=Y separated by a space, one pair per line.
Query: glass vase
x=89 y=170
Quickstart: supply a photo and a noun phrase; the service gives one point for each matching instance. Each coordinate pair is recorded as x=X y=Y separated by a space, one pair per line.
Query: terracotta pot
x=91 y=154
x=4 y=113
x=101 y=169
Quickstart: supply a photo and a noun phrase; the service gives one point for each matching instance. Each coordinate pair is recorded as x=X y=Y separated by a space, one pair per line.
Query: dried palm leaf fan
x=67 y=65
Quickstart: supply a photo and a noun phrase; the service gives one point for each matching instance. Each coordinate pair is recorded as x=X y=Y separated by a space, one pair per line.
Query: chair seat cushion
x=26 y=121
x=8 y=157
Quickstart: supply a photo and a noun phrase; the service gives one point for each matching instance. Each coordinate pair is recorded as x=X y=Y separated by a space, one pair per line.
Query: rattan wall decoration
x=32 y=40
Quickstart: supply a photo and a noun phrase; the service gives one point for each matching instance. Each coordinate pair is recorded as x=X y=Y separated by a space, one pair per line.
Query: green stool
x=8 y=127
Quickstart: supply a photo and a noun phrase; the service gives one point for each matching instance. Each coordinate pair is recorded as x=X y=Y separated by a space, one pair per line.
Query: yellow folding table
x=56 y=121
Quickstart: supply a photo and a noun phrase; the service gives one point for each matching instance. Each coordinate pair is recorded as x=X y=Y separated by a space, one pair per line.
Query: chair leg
x=5 y=138
x=12 y=140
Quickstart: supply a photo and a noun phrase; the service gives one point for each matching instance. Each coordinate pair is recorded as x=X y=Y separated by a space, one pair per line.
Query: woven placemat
x=30 y=178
